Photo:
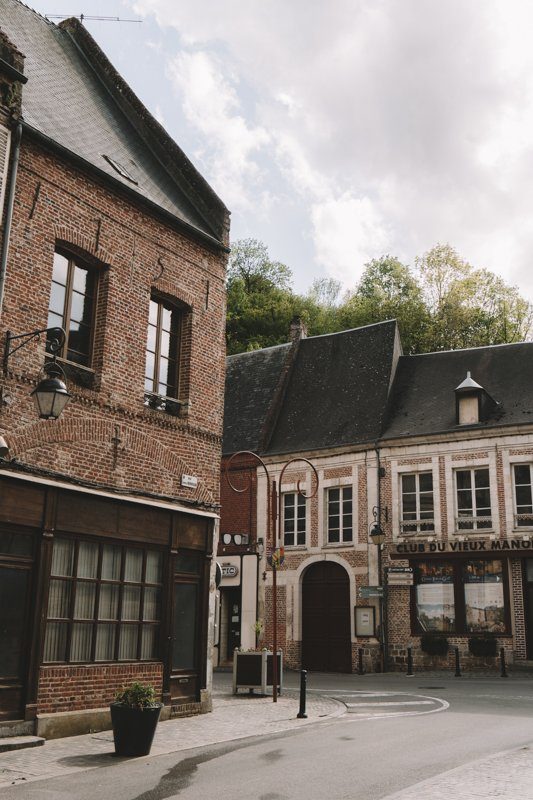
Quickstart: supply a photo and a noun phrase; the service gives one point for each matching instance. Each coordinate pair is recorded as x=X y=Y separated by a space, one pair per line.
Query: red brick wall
x=139 y=254
x=239 y=509
x=70 y=688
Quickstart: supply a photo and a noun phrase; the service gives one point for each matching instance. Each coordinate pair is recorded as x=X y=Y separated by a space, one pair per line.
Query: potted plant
x=134 y=717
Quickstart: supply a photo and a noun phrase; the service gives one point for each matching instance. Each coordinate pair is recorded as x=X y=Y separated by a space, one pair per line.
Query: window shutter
x=5 y=138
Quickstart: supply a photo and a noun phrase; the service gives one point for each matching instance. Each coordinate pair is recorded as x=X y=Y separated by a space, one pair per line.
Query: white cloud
x=416 y=118
x=211 y=104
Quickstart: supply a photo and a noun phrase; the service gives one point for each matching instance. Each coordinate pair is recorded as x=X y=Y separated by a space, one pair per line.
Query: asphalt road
x=397 y=731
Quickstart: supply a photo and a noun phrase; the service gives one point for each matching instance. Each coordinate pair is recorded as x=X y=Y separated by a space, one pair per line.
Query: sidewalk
x=233 y=717
x=505 y=776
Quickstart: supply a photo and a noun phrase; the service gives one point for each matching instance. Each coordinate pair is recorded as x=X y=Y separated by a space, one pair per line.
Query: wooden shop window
x=104 y=603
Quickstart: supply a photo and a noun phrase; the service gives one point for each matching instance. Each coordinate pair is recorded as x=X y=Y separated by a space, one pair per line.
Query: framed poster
x=365 y=621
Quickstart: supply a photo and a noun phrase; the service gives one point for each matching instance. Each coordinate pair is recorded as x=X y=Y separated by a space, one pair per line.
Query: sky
x=337 y=131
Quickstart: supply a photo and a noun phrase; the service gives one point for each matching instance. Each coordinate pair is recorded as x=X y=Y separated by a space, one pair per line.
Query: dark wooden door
x=14 y=597
x=326 y=641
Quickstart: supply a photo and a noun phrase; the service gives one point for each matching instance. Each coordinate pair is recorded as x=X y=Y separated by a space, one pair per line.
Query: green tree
x=260 y=303
x=388 y=290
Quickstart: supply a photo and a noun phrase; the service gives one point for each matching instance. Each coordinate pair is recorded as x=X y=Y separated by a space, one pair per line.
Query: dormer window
x=468 y=401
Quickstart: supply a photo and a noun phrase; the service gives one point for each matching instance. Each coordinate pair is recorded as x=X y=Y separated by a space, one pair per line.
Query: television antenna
x=83 y=17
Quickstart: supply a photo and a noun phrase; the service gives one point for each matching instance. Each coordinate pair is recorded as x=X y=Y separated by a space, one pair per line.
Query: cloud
x=412 y=121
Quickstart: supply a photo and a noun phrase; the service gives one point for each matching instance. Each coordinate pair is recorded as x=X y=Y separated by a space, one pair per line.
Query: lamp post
x=50 y=394
x=274 y=496
x=377 y=537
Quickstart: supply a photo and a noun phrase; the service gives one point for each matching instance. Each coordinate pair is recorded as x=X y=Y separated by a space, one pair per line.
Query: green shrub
x=483 y=646
x=433 y=644
x=138 y=695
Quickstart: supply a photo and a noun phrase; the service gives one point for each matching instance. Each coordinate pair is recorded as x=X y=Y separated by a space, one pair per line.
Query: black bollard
x=410 y=672
x=360 y=668
x=303 y=687
x=457 y=664
x=503 y=668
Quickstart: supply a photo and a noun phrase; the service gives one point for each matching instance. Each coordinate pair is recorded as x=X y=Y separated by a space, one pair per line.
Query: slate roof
x=76 y=99
x=423 y=398
x=251 y=383
x=335 y=392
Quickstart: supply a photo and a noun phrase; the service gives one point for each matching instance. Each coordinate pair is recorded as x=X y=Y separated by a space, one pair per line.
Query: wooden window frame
x=75 y=260
x=154 y=399
x=458 y=583
x=74 y=580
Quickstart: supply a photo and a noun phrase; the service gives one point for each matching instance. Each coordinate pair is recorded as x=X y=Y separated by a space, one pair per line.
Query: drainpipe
x=9 y=212
x=382 y=580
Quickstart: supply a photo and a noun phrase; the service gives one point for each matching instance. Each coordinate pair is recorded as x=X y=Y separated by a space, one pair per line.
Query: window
x=522 y=495
x=104 y=603
x=473 y=499
x=340 y=526
x=417 y=503
x=162 y=353
x=72 y=305
x=293 y=519
x=460 y=597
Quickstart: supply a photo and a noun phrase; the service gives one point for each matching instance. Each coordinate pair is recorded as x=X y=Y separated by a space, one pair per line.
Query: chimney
x=297 y=330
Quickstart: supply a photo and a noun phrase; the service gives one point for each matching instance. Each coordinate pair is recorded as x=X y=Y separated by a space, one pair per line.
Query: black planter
x=134 y=728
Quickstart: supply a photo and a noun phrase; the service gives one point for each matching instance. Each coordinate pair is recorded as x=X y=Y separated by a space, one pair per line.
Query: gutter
x=9 y=212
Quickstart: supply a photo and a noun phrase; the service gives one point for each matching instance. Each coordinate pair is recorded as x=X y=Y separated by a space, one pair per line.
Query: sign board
x=276 y=557
x=370 y=591
x=189 y=481
x=400 y=579
x=365 y=621
x=400 y=570
x=229 y=570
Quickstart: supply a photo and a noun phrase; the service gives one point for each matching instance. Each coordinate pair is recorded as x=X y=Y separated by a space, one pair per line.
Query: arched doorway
x=326 y=641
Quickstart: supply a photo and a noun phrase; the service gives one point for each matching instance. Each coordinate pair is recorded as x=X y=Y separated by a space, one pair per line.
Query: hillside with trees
x=441 y=303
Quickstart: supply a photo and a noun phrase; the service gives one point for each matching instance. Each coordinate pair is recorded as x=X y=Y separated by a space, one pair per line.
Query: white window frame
x=476 y=525
x=426 y=525
x=528 y=518
x=300 y=502
x=341 y=489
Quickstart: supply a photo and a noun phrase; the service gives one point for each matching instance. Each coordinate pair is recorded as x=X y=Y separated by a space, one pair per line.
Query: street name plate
x=370 y=591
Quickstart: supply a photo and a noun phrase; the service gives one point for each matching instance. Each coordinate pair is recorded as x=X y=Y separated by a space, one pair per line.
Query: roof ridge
x=467 y=349
x=176 y=163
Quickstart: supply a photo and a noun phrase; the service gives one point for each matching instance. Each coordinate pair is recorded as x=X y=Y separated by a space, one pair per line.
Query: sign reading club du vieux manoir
x=473 y=546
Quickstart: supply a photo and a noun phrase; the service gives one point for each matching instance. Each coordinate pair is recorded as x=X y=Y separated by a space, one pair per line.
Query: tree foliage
x=441 y=303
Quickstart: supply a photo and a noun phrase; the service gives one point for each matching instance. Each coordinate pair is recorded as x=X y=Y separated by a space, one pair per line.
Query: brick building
x=108 y=514
x=433 y=452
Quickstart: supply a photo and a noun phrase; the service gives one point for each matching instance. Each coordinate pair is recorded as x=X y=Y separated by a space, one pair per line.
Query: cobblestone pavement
x=233 y=717
x=506 y=776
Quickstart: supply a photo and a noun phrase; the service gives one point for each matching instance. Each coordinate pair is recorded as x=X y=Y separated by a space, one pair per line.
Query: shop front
x=237 y=609
x=465 y=590
x=96 y=591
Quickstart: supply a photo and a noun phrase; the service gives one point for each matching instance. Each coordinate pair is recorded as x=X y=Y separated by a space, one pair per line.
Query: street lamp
x=275 y=557
x=50 y=395
x=377 y=537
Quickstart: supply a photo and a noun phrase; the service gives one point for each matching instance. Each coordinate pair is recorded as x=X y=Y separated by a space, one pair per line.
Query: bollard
x=303 y=687
x=503 y=668
x=410 y=672
x=457 y=664
x=360 y=668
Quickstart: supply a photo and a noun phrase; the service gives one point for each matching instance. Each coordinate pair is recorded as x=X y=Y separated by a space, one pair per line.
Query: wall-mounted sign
x=407 y=549
x=370 y=591
x=229 y=570
x=189 y=481
x=365 y=621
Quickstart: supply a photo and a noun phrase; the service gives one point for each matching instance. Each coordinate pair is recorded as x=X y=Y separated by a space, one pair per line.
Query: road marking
x=393 y=703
